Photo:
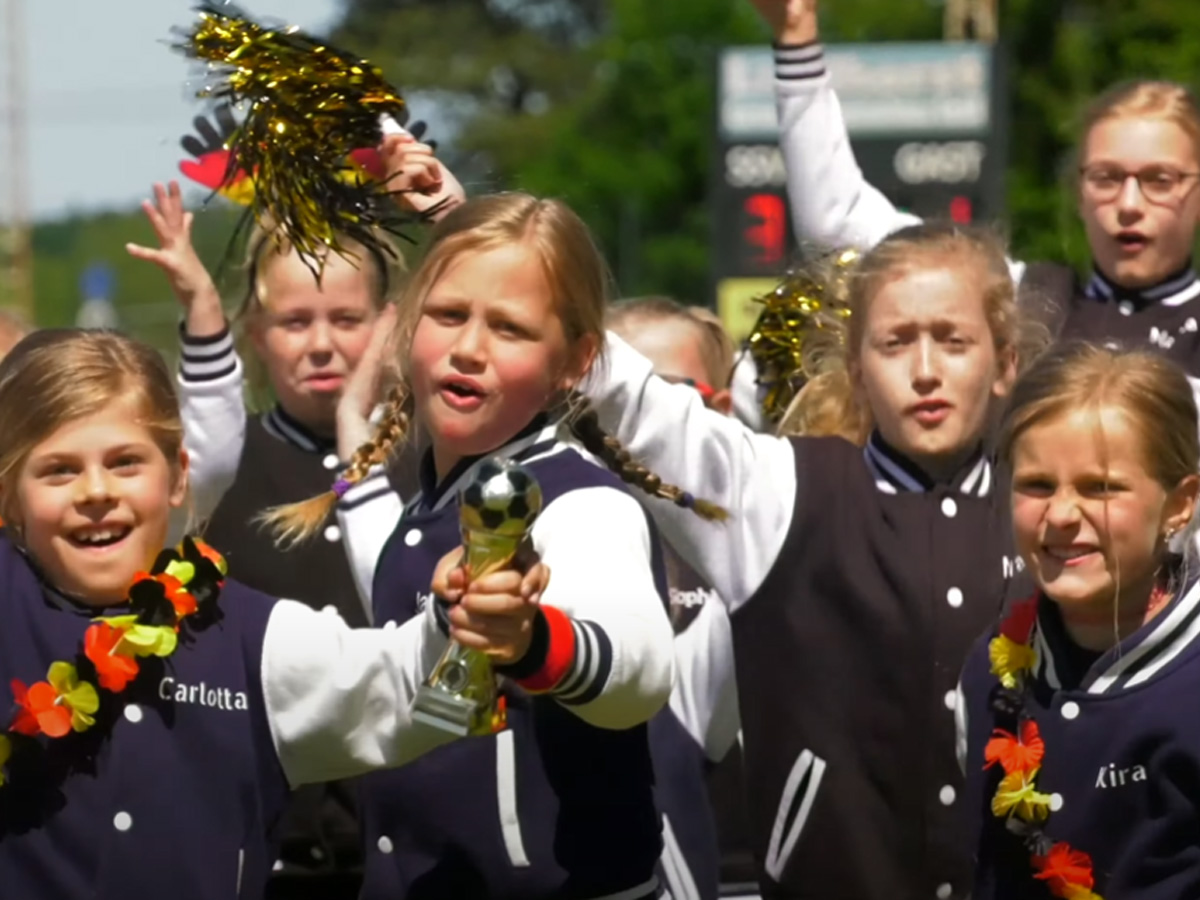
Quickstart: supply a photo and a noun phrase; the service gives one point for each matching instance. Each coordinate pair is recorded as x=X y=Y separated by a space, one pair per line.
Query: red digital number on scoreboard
x=767 y=231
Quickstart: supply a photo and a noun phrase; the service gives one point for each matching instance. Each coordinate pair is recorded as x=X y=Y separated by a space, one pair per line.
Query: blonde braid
x=294 y=523
x=585 y=425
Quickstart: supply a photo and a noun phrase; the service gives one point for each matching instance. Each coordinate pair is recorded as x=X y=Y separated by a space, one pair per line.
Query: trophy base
x=445 y=711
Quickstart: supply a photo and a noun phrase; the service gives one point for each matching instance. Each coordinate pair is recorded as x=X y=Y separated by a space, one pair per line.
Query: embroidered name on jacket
x=1111 y=777
x=201 y=695
x=693 y=599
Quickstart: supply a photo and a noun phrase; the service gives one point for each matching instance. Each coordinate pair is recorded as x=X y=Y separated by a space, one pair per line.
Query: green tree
x=63 y=250
x=614 y=113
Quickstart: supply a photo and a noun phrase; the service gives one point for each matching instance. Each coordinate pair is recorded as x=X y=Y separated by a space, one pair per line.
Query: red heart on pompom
x=369 y=160
x=209 y=170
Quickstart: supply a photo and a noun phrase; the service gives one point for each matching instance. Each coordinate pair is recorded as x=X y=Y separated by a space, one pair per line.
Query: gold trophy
x=496 y=510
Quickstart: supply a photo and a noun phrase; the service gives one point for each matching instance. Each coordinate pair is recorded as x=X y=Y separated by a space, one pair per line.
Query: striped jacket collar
x=896 y=475
x=1173 y=291
x=1134 y=660
x=539 y=439
x=285 y=428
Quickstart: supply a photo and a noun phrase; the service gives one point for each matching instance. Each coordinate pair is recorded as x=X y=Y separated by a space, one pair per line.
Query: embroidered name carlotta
x=201 y=695
x=181 y=589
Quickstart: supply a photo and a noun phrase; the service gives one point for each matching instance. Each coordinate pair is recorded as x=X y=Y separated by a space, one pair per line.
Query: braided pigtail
x=294 y=523
x=585 y=425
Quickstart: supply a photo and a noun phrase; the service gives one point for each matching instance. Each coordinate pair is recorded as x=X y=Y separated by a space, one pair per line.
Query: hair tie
x=686 y=500
x=340 y=487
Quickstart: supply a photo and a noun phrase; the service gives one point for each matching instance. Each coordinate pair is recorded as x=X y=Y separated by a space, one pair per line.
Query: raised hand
x=416 y=177
x=792 y=21
x=364 y=389
x=175 y=255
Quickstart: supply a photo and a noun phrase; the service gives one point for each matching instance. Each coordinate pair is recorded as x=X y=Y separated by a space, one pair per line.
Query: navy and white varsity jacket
x=177 y=786
x=1121 y=763
x=561 y=803
x=855 y=590
x=834 y=206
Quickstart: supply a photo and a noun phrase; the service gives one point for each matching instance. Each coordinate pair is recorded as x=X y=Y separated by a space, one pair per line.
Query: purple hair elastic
x=340 y=487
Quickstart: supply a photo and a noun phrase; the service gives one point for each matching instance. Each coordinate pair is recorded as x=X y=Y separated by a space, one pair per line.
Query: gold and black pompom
x=307 y=107
x=811 y=297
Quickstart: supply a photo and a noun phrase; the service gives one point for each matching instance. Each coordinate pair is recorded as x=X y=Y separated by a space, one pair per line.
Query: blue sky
x=108 y=100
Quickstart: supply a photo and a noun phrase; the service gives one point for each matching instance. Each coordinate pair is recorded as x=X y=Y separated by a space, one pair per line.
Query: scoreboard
x=926 y=126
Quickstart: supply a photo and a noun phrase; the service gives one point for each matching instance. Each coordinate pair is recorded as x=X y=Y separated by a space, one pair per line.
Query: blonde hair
x=385 y=276
x=716 y=347
x=56 y=376
x=578 y=279
x=1152 y=392
x=828 y=404
x=1144 y=99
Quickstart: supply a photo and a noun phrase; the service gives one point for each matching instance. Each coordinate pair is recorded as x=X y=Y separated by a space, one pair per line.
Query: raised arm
x=210 y=373
x=668 y=428
x=832 y=204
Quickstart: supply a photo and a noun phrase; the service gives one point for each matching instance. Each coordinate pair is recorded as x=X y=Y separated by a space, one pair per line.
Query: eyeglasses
x=1158 y=184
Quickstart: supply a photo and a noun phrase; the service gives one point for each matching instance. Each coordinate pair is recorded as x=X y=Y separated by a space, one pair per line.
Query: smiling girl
x=1080 y=754
x=856 y=573
x=159 y=721
x=1136 y=182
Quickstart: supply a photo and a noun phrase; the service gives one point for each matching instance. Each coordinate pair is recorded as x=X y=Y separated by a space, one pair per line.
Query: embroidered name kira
x=1111 y=777
x=201 y=695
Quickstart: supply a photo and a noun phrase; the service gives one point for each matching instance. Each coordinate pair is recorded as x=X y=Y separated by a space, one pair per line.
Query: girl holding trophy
x=497 y=326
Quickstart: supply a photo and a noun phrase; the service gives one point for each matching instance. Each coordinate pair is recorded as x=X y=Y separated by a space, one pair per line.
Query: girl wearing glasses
x=1137 y=172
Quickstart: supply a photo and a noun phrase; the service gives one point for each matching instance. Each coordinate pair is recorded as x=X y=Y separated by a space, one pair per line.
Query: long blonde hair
x=828 y=404
x=578 y=280
x=56 y=376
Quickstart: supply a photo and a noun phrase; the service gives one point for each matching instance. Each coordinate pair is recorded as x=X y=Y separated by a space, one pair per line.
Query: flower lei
x=183 y=584
x=1066 y=871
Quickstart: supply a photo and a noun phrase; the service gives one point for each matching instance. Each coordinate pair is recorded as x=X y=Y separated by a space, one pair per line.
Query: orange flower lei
x=1066 y=871
x=182 y=583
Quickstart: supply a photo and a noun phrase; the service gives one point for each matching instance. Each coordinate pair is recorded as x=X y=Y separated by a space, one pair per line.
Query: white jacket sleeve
x=833 y=206
x=667 y=428
x=596 y=542
x=367 y=515
x=705 y=695
x=214 y=416
x=338 y=699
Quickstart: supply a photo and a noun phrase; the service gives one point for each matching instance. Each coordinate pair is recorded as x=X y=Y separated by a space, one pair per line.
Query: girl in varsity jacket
x=499 y=323
x=1136 y=192
x=156 y=722
x=308 y=340
x=1082 y=755
x=857 y=572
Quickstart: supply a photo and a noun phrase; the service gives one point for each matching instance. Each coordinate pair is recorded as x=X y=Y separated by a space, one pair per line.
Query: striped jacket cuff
x=206 y=358
x=550 y=654
x=590 y=666
x=798 y=62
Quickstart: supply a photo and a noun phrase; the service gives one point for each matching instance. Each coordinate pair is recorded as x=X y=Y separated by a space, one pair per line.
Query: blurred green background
x=608 y=104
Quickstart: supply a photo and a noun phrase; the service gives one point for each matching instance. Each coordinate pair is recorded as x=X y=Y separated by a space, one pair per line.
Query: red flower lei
x=183 y=583
x=1066 y=871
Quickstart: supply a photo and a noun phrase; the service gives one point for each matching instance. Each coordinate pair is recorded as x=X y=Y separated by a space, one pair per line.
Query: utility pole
x=16 y=260
x=971 y=20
